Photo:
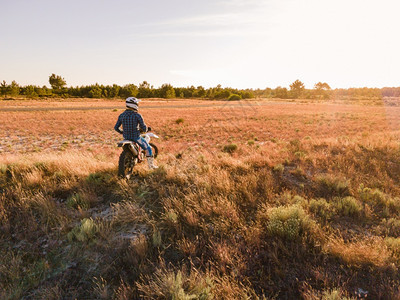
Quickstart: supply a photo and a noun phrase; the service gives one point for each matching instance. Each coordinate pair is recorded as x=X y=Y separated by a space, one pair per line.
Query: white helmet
x=132 y=102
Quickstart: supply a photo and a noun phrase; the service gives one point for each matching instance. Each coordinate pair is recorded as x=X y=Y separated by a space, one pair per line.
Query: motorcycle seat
x=124 y=142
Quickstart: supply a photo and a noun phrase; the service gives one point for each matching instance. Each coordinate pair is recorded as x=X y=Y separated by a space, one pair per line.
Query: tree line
x=321 y=90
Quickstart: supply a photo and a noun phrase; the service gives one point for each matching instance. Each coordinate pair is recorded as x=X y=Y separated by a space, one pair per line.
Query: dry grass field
x=252 y=200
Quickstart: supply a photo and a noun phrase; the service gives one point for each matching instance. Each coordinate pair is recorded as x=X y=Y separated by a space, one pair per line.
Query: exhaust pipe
x=132 y=149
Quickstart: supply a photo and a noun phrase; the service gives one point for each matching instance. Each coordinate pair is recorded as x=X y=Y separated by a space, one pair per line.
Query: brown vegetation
x=305 y=205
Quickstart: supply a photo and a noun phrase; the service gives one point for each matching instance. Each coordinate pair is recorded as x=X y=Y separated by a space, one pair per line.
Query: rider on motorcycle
x=131 y=122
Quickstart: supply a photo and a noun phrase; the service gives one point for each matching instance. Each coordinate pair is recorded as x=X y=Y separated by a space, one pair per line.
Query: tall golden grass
x=310 y=214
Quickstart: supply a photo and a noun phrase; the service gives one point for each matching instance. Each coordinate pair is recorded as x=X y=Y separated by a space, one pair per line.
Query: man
x=132 y=124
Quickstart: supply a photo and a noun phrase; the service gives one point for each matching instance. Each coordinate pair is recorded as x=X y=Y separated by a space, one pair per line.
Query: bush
x=95 y=178
x=179 y=121
x=288 y=222
x=300 y=154
x=83 y=232
x=279 y=168
x=170 y=285
x=391 y=226
x=299 y=200
x=3 y=169
x=321 y=208
x=393 y=244
x=77 y=201
x=348 y=206
x=230 y=148
x=335 y=294
x=380 y=200
x=372 y=196
x=234 y=97
x=333 y=186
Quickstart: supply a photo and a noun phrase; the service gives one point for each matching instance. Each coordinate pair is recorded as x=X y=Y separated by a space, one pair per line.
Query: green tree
x=322 y=86
x=246 y=94
x=167 y=91
x=128 y=90
x=44 y=91
x=297 y=88
x=14 y=88
x=114 y=91
x=4 y=88
x=189 y=92
x=280 y=92
x=322 y=90
x=95 y=91
x=57 y=82
x=145 y=90
x=30 y=91
x=268 y=92
x=201 y=92
x=179 y=92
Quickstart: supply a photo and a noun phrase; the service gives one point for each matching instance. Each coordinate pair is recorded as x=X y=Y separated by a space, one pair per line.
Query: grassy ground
x=259 y=201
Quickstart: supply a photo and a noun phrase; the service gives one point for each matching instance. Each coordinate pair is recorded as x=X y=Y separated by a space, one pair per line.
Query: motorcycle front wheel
x=126 y=163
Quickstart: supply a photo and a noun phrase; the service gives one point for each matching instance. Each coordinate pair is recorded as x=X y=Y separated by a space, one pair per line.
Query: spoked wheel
x=127 y=162
x=155 y=150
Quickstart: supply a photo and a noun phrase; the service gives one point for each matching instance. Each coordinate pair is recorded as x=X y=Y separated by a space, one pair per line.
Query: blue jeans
x=144 y=145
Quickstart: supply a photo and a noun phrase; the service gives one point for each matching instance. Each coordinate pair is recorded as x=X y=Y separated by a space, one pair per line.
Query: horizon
x=206 y=87
x=235 y=43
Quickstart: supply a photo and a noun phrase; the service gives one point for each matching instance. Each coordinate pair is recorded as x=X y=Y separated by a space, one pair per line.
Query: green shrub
x=234 y=97
x=95 y=178
x=379 y=199
x=333 y=186
x=279 y=168
x=372 y=196
x=299 y=172
x=77 y=201
x=300 y=154
x=295 y=143
x=393 y=244
x=179 y=121
x=321 y=208
x=297 y=199
x=348 y=206
x=170 y=285
x=230 y=148
x=391 y=226
x=171 y=216
x=83 y=232
x=287 y=198
x=335 y=294
x=3 y=169
x=289 y=222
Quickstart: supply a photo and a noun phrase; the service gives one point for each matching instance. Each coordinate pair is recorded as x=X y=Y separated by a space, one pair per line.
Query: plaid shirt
x=131 y=121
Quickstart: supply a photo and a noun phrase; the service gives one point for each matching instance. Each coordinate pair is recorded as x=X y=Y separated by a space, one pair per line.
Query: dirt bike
x=133 y=154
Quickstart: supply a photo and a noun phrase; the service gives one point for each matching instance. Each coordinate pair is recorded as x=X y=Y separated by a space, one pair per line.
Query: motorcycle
x=132 y=154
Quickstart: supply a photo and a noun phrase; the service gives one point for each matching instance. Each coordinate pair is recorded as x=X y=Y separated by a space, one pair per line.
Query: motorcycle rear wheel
x=126 y=164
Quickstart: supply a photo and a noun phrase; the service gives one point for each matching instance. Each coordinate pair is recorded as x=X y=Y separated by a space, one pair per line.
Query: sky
x=235 y=43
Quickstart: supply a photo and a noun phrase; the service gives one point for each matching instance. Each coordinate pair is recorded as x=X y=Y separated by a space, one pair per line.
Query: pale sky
x=235 y=43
